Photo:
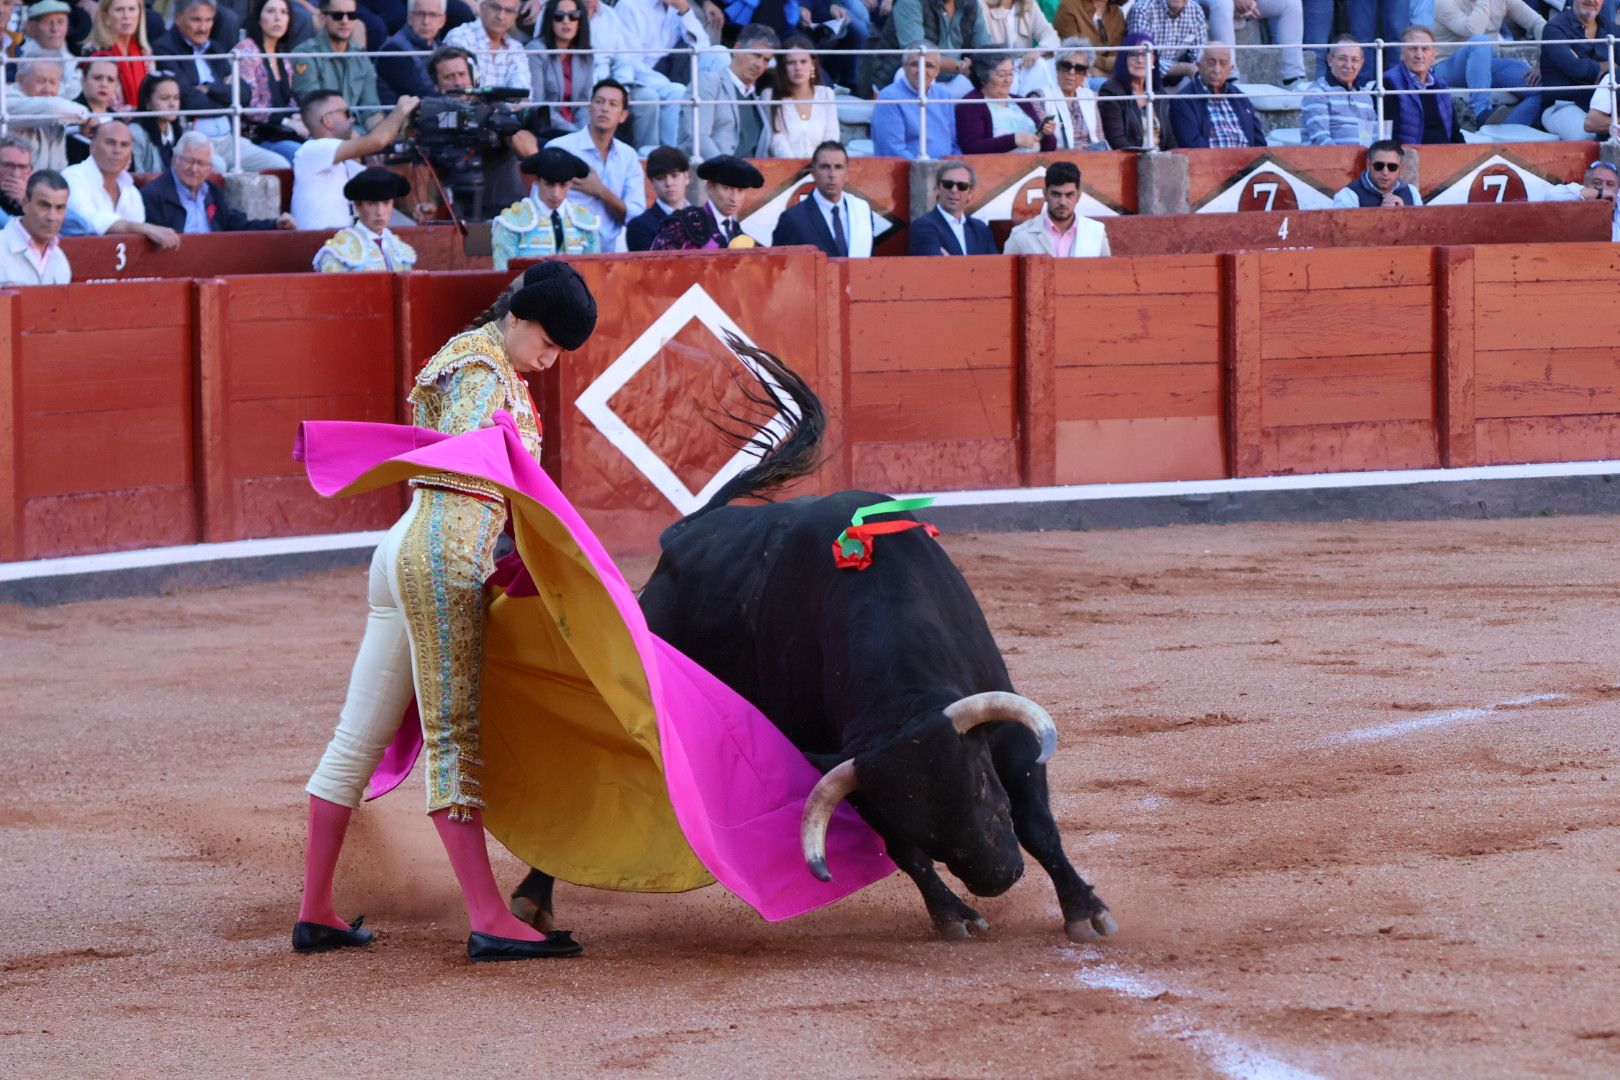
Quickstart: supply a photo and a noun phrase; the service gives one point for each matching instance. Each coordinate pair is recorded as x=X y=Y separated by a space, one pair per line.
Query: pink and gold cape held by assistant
x=610 y=758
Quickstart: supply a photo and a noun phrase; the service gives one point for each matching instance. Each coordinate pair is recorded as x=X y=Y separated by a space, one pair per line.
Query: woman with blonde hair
x=119 y=31
x=1020 y=25
x=803 y=112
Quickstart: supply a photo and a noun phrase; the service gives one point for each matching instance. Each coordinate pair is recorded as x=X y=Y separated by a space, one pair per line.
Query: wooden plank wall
x=933 y=363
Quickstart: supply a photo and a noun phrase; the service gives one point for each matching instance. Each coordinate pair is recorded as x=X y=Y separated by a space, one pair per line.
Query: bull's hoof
x=960 y=929
x=1079 y=931
x=1091 y=927
x=536 y=916
x=1103 y=922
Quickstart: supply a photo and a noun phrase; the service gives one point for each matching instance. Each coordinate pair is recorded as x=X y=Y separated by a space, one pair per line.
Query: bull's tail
x=788 y=442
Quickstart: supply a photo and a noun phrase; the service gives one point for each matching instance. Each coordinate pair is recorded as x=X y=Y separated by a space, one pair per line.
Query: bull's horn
x=829 y=791
x=970 y=712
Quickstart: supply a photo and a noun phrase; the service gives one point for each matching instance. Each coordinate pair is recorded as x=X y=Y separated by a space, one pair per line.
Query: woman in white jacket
x=1023 y=28
x=803 y=113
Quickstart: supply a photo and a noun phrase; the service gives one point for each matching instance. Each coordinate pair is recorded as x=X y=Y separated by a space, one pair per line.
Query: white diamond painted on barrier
x=1496 y=179
x=1266 y=186
x=693 y=305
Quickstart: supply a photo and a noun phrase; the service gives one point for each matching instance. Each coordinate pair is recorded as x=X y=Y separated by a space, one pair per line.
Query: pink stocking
x=327 y=824
x=469 y=857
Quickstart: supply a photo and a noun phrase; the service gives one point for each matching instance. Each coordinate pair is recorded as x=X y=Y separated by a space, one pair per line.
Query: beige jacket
x=1459 y=20
x=1091 y=239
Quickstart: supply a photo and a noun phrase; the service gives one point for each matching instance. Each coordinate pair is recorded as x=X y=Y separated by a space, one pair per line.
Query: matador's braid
x=498 y=309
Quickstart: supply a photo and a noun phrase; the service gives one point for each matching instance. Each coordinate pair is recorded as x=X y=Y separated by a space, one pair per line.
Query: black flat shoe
x=484 y=947
x=310 y=937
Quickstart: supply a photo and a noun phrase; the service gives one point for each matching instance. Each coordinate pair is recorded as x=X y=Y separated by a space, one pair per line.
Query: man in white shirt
x=101 y=192
x=830 y=219
x=658 y=24
x=47 y=28
x=1600 y=183
x=616 y=189
x=38 y=113
x=501 y=60
x=1600 y=113
x=331 y=156
x=29 y=251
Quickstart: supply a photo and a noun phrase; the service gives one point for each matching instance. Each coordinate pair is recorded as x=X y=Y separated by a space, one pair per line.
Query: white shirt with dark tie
x=730 y=227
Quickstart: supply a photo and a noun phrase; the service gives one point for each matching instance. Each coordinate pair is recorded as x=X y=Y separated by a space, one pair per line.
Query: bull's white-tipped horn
x=829 y=791
x=970 y=712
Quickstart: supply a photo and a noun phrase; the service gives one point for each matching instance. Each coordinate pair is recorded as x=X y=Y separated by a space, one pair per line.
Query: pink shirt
x=1062 y=242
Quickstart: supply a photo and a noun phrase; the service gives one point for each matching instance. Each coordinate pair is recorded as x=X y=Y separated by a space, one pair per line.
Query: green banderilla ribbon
x=852 y=547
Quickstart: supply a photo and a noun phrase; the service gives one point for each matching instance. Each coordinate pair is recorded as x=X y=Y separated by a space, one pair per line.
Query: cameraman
x=513 y=138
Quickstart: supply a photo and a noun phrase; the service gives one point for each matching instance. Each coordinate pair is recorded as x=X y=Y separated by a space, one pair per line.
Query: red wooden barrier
x=119 y=257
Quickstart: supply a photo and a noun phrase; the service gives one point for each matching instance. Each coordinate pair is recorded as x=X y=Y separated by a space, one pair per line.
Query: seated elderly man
x=204 y=76
x=896 y=127
x=47 y=29
x=101 y=192
x=1565 y=67
x=1420 y=117
x=185 y=200
x=1060 y=229
x=1223 y=121
x=546 y=222
x=1075 y=103
x=29 y=250
x=1335 y=111
x=422 y=33
x=16 y=166
x=1380 y=182
x=502 y=60
x=39 y=114
x=948 y=229
x=1600 y=182
x=368 y=245
x=1289 y=30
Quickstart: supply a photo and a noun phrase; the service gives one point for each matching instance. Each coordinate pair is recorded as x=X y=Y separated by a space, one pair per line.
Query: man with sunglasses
x=948 y=229
x=1380 y=184
x=353 y=77
x=331 y=156
x=501 y=60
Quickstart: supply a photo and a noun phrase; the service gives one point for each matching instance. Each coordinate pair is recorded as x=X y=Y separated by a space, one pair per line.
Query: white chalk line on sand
x=1433 y=720
x=1228 y=1056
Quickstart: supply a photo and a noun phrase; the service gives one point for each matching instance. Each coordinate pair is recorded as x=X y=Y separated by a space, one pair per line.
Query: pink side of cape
x=738 y=786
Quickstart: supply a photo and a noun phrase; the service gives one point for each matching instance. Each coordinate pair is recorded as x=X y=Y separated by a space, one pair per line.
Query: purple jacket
x=975 y=134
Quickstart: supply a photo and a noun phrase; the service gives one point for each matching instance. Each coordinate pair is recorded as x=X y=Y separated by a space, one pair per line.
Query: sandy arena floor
x=1353 y=792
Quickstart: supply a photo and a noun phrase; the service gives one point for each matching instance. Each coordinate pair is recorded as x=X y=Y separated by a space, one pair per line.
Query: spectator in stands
x=1287 y=20
x=546 y=222
x=101 y=191
x=615 y=189
x=119 y=31
x=1379 y=183
x=11 y=41
x=153 y=137
x=501 y=59
x=732 y=119
x=669 y=173
x=205 y=83
x=267 y=78
x=325 y=163
x=1600 y=181
x=1420 y=118
x=422 y=32
x=1565 y=66
x=1073 y=103
x=1600 y=111
x=960 y=27
x=1059 y=229
x=1477 y=65
x=182 y=198
x=368 y=246
x=990 y=121
x=1335 y=112
x=98 y=94
x=561 y=63
x=896 y=126
x=1023 y=29
x=351 y=77
x=664 y=76
x=1122 y=103
x=831 y=219
x=726 y=178
x=803 y=114
x=16 y=166
x=948 y=229
x=30 y=253
x=1224 y=121
x=1100 y=22
x=1178 y=31
x=451 y=71
x=608 y=41
x=39 y=114
x=47 y=28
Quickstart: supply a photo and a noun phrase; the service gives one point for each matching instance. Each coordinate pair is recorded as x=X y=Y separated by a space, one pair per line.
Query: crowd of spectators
x=580 y=93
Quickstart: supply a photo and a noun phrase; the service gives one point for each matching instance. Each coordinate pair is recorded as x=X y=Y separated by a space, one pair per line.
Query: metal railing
x=1148 y=95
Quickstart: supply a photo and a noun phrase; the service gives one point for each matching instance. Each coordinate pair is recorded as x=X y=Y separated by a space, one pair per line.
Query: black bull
x=887 y=678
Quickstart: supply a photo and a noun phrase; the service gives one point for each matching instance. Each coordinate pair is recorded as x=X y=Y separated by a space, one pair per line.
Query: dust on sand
x=1429 y=899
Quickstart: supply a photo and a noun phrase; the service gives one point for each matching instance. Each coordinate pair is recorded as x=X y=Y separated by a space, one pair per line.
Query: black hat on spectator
x=734 y=171
x=376 y=185
x=556 y=297
x=665 y=160
x=555 y=165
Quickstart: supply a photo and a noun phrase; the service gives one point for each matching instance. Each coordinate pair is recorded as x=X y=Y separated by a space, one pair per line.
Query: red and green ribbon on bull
x=854 y=547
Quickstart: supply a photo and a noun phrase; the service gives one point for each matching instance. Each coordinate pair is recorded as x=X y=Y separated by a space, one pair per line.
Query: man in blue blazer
x=182 y=197
x=1228 y=120
x=948 y=229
